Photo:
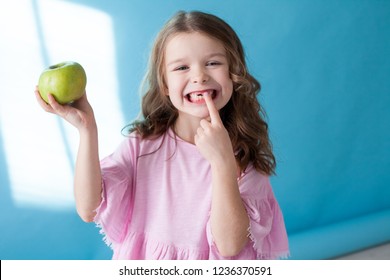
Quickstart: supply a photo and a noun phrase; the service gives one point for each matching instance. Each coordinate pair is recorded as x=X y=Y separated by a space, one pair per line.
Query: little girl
x=191 y=181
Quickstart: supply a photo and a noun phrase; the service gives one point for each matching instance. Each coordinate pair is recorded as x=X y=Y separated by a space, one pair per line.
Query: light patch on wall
x=40 y=148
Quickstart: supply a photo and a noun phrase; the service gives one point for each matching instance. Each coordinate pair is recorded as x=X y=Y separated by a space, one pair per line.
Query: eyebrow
x=217 y=54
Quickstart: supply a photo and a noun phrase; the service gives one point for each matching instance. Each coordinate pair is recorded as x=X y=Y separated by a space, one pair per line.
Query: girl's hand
x=212 y=138
x=79 y=113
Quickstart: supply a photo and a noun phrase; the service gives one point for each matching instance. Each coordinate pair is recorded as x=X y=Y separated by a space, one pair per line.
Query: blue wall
x=324 y=68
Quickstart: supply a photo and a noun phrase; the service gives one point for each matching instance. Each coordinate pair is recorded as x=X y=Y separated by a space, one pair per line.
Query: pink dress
x=157 y=200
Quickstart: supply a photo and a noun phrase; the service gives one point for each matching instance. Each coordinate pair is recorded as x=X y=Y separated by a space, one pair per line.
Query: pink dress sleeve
x=113 y=213
x=266 y=232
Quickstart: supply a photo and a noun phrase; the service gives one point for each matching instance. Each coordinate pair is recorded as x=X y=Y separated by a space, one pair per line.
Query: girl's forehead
x=192 y=40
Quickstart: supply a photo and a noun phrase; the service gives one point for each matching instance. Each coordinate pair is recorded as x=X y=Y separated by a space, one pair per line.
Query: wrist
x=89 y=130
x=226 y=164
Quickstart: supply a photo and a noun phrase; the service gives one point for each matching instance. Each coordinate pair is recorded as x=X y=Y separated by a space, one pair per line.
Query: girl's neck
x=185 y=127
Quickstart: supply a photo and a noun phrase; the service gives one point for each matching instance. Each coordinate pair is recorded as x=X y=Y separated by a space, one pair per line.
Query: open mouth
x=198 y=96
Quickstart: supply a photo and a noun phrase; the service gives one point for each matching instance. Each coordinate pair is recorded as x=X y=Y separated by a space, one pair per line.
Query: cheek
x=171 y=83
x=168 y=85
x=229 y=85
x=227 y=78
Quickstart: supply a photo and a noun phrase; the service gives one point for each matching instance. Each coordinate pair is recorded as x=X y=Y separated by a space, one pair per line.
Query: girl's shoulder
x=136 y=144
x=250 y=173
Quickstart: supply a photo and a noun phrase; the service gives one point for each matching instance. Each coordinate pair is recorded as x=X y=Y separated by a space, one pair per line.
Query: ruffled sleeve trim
x=99 y=221
x=267 y=231
x=113 y=213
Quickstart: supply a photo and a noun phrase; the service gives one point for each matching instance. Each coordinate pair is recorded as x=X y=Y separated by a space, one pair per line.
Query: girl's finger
x=42 y=102
x=204 y=124
x=199 y=131
x=213 y=111
x=58 y=108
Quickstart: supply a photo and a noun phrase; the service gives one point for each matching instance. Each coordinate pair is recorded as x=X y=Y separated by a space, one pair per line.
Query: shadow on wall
x=32 y=233
x=36 y=159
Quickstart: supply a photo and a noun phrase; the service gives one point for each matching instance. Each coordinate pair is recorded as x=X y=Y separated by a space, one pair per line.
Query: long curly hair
x=242 y=116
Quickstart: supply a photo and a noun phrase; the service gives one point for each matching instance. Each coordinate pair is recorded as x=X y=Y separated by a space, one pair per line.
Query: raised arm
x=87 y=180
x=229 y=219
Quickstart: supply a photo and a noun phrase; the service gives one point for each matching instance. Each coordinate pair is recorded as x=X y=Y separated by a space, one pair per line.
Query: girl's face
x=196 y=64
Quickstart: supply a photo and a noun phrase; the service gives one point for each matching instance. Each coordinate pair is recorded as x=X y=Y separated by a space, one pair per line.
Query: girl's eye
x=213 y=63
x=180 y=68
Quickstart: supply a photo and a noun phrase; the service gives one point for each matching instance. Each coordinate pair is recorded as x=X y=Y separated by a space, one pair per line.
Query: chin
x=188 y=115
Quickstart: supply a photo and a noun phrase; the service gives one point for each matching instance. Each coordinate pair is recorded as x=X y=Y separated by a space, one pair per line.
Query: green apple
x=66 y=81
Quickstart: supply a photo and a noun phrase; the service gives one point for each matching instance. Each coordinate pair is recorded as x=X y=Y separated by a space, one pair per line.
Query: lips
x=198 y=96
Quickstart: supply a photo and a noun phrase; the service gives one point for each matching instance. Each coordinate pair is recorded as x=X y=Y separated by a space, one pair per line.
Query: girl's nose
x=200 y=77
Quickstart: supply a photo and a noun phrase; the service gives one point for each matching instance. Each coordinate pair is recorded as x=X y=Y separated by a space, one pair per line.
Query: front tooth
x=196 y=97
x=200 y=93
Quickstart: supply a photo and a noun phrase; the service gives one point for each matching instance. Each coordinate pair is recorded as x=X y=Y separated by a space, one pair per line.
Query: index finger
x=213 y=111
